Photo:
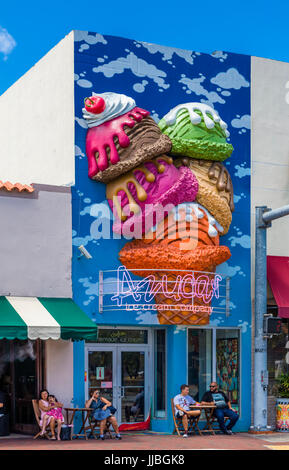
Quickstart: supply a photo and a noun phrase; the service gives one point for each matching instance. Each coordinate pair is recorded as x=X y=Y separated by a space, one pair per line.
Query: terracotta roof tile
x=8 y=186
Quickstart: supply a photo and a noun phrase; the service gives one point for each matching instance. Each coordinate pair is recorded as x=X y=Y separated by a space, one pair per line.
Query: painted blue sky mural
x=159 y=78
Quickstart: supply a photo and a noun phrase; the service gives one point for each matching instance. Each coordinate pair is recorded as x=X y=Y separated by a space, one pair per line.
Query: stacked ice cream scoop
x=175 y=208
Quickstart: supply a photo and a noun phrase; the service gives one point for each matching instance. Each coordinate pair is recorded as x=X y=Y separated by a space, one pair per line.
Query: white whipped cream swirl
x=116 y=104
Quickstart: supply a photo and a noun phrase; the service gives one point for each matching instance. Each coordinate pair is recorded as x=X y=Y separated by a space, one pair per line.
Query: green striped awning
x=44 y=318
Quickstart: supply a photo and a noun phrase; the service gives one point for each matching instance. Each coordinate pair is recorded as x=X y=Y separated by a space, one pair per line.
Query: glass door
x=133 y=381
x=101 y=371
x=121 y=373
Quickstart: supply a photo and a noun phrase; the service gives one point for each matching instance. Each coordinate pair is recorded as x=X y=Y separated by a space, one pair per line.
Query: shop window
x=160 y=373
x=199 y=361
x=228 y=364
x=277 y=358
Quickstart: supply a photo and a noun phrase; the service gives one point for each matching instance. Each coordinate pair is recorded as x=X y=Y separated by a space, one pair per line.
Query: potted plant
x=282 y=403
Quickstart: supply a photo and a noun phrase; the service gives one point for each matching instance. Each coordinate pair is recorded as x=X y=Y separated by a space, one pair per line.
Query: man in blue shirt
x=223 y=407
x=182 y=403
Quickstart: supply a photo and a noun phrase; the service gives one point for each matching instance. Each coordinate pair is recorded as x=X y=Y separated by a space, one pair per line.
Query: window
x=277 y=358
x=228 y=364
x=199 y=361
x=160 y=373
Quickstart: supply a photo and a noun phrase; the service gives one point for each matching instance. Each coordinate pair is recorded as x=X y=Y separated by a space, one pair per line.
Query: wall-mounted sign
x=184 y=293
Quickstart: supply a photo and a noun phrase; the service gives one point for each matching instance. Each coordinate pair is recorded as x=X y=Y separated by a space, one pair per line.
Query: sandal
x=53 y=438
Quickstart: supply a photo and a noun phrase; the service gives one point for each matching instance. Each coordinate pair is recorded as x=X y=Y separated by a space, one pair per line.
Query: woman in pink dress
x=50 y=414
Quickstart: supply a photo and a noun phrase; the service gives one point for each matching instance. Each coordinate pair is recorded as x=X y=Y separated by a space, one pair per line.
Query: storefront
x=158 y=127
x=35 y=339
x=126 y=362
x=168 y=312
x=277 y=345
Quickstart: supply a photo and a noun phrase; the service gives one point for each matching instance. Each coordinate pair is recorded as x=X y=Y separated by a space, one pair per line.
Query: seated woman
x=48 y=416
x=103 y=412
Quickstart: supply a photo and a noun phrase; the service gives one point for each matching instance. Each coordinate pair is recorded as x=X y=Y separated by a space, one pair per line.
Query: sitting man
x=223 y=407
x=182 y=404
x=137 y=407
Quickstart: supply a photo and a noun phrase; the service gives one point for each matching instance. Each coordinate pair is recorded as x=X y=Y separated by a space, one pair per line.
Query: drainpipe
x=264 y=216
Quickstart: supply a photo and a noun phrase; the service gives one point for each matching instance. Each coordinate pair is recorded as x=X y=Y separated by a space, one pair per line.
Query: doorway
x=21 y=378
x=122 y=372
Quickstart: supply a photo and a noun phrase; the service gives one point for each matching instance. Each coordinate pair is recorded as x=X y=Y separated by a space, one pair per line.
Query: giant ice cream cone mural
x=168 y=188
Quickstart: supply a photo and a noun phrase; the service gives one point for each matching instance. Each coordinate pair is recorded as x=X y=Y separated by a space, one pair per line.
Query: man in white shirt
x=182 y=404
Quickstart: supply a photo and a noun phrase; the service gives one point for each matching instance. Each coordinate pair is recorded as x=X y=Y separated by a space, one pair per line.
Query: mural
x=166 y=135
x=228 y=367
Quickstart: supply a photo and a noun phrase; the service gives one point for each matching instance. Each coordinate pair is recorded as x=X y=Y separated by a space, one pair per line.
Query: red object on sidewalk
x=278 y=277
x=142 y=426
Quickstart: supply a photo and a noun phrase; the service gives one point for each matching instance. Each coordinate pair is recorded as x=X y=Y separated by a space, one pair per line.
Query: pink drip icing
x=99 y=138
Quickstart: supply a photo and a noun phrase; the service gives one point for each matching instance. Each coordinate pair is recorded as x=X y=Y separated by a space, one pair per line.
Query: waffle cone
x=181 y=316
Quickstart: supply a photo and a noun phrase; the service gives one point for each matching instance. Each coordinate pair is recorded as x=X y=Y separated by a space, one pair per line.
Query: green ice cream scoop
x=196 y=130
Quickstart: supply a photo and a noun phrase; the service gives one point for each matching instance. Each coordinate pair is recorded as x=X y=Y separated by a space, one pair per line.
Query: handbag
x=65 y=433
x=112 y=409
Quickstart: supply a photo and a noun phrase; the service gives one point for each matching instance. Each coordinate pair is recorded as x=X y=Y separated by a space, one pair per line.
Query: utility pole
x=264 y=217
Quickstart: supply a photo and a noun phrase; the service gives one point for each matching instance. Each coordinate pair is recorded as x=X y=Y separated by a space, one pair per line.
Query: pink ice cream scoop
x=144 y=196
x=120 y=136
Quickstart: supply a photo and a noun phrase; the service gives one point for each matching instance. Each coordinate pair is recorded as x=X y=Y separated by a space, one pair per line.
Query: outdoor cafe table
x=208 y=410
x=84 y=418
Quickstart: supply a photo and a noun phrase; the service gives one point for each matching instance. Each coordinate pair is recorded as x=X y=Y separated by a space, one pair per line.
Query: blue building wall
x=159 y=78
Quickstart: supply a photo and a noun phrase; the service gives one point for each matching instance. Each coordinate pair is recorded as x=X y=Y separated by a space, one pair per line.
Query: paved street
x=152 y=441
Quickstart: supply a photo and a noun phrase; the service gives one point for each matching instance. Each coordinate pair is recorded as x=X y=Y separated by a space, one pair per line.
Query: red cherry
x=94 y=104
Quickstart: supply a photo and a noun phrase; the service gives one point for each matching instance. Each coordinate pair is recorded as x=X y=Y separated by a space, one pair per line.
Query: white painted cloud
x=90 y=39
x=179 y=329
x=230 y=79
x=216 y=322
x=101 y=209
x=244 y=241
x=77 y=241
x=219 y=55
x=140 y=87
x=84 y=83
x=242 y=171
x=147 y=318
x=244 y=325
x=155 y=116
x=223 y=304
x=168 y=52
x=139 y=67
x=78 y=152
x=242 y=122
x=81 y=122
x=7 y=42
x=238 y=197
x=226 y=270
x=194 y=85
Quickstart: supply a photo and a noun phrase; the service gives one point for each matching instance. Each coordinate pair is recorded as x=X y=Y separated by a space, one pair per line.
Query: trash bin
x=4 y=424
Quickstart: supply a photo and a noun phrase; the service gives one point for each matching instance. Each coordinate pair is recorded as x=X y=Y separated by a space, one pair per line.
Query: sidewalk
x=153 y=441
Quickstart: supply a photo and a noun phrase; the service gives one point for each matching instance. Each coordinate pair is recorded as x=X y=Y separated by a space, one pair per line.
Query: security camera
x=84 y=252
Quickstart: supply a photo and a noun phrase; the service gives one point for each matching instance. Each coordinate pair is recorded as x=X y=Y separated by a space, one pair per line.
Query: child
x=55 y=411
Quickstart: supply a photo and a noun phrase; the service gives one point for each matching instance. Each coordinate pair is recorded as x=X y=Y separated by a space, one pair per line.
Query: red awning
x=278 y=277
